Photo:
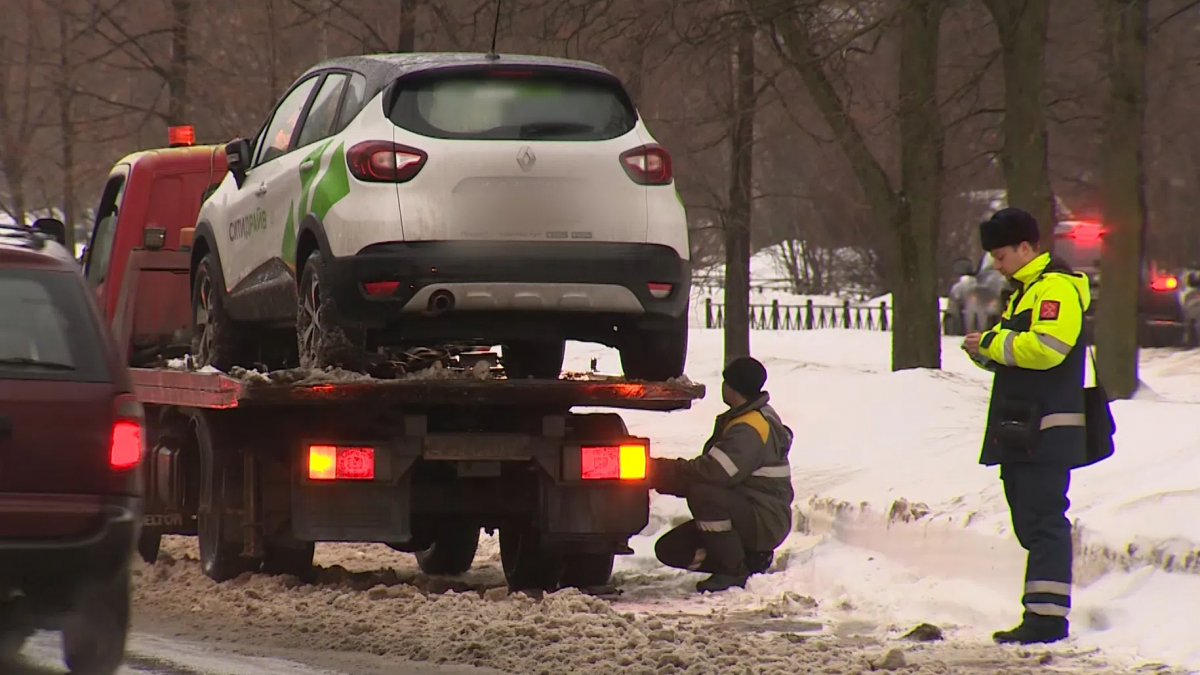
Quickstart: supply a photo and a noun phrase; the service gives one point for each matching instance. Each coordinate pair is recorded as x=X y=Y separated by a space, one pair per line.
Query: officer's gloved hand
x=665 y=476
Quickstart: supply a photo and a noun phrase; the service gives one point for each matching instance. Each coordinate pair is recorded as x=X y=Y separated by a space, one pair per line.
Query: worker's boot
x=759 y=561
x=1035 y=629
x=728 y=560
x=722 y=582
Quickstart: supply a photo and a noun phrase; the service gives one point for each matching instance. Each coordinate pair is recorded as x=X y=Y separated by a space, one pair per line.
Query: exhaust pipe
x=441 y=301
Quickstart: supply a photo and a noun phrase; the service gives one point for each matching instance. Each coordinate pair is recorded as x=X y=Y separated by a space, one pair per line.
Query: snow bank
x=898 y=517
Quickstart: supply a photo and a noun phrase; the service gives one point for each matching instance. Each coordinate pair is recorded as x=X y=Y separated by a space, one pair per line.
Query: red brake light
x=384 y=162
x=328 y=462
x=648 y=165
x=613 y=462
x=381 y=287
x=1164 y=283
x=128 y=440
x=1086 y=232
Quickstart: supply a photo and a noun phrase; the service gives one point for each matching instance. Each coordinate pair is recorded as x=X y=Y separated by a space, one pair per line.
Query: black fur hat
x=745 y=375
x=1008 y=227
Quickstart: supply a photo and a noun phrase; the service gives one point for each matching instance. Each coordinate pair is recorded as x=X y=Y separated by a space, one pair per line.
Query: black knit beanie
x=1008 y=227
x=746 y=376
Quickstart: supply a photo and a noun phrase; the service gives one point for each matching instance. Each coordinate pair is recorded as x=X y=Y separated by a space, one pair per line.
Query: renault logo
x=525 y=158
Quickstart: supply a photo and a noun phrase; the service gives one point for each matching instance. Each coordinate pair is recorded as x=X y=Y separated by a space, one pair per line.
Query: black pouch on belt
x=1018 y=424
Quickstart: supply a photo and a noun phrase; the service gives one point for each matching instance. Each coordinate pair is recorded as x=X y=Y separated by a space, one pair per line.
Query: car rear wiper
x=536 y=129
x=35 y=363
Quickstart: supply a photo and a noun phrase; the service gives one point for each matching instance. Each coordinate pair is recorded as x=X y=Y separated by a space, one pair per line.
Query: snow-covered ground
x=897 y=520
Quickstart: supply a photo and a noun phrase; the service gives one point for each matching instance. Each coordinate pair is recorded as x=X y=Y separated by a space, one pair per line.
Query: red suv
x=71 y=439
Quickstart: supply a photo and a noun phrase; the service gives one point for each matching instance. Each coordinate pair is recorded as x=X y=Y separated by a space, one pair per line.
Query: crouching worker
x=739 y=489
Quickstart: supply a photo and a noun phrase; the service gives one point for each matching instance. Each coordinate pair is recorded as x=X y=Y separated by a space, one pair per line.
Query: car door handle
x=262 y=189
x=307 y=164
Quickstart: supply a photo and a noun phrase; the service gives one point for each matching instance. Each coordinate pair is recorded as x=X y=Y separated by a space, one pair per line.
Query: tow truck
x=261 y=466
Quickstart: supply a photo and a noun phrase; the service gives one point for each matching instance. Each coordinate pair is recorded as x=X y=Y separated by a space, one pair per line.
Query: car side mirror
x=237 y=158
x=53 y=228
x=964 y=268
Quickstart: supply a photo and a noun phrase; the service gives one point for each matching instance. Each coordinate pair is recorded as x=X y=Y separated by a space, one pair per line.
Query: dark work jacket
x=1038 y=355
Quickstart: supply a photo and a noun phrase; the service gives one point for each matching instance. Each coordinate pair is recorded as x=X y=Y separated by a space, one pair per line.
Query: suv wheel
x=542 y=360
x=321 y=342
x=216 y=339
x=94 y=634
x=656 y=354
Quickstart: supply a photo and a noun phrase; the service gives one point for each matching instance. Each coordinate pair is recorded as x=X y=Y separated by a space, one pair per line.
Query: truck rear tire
x=528 y=565
x=217 y=340
x=542 y=360
x=658 y=354
x=220 y=555
x=587 y=570
x=452 y=552
x=294 y=558
x=94 y=634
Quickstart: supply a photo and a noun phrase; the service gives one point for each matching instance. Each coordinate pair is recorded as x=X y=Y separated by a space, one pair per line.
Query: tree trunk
x=67 y=127
x=1123 y=198
x=1022 y=26
x=737 y=223
x=407 y=41
x=177 y=70
x=916 y=334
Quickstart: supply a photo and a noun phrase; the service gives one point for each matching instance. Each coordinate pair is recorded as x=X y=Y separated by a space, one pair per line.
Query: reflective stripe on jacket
x=1039 y=357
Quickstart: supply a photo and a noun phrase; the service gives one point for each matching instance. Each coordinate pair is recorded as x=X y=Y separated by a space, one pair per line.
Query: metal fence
x=809 y=316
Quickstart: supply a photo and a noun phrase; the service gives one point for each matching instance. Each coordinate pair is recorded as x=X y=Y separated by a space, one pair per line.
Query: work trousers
x=719 y=538
x=1037 y=498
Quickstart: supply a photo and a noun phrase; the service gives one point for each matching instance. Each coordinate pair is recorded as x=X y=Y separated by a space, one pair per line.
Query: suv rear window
x=525 y=105
x=46 y=329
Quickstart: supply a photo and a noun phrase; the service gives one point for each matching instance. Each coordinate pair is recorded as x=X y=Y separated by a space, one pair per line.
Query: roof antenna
x=492 y=55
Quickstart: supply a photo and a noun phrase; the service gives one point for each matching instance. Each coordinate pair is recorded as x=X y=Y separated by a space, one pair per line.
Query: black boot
x=759 y=561
x=1035 y=629
x=722 y=582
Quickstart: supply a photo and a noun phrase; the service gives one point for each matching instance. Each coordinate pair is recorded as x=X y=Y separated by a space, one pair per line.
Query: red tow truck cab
x=150 y=203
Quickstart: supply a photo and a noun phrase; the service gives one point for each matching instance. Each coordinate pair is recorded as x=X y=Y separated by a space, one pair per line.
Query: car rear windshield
x=1082 y=256
x=46 y=329
x=511 y=106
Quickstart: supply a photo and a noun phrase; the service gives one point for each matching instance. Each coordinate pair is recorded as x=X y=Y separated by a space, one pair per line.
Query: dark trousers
x=1037 y=498
x=718 y=538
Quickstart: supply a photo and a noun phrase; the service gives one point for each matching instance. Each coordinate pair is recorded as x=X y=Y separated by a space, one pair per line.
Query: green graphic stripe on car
x=333 y=186
x=308 y=174
x=289 y=238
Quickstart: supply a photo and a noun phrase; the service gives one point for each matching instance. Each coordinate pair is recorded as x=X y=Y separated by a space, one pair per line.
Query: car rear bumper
x=507 y=277
x=57 y=542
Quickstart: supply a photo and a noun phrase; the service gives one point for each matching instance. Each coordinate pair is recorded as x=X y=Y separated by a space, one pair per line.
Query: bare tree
x=741 y=175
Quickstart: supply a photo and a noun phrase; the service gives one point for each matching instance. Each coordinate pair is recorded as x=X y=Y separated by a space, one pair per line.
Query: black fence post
x=883 y=316
x=809 y=319
x=708 y=315
x=845 y=314
x=775 y=315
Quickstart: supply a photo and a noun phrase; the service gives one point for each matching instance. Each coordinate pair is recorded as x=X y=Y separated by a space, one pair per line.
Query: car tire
x=217 y=340
x=452 y=552
x=541 y=360
x=656 y=355
x=292 y=557
x=587 y=570
x=528 y=565
x=320 y=340
x=95 y=631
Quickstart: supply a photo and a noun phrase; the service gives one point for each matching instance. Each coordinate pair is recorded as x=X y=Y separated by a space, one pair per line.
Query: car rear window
x=1083 y=256
x=46 y=329
x=527 y=105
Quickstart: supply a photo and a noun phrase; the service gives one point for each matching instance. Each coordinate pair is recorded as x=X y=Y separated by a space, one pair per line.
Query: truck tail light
x=331 y=462
x=613 y=462
x=1164 y=283
x=128 y=442
x=648 y=165
x=384 y=162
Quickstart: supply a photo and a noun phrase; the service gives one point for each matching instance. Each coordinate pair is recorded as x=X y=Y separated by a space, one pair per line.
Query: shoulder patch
x=1048 y=311
x=755 y=420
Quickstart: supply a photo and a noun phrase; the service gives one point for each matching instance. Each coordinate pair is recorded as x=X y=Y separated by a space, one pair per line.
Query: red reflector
x=328 y=462
x=126 y=449
x=1166 y=283
x=658 y=290
x=613 y=462
x=381 y=287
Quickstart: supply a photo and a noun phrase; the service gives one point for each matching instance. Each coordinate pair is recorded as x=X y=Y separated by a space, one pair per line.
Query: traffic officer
x=739 y=489
x=1035 y=423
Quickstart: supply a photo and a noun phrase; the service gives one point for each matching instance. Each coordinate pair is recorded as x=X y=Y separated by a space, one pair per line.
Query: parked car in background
x=977 y=299
x=71 y=441
x=1189 y=297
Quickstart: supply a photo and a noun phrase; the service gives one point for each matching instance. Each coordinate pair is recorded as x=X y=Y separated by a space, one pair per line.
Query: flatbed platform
x=216 y=390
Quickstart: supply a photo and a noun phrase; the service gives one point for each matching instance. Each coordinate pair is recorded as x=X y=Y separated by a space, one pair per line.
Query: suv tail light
x=1164 y=283
x=648 y=165
x=128 y=434
x=613 y=462
x=384 y=162
x=330 y=462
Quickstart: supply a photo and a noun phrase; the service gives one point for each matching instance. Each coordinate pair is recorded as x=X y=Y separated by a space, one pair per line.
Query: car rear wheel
x=320 y=340
x=95 y=632
x=453 y=550
x=216 y=340
x=542 y=360
x=656 y=354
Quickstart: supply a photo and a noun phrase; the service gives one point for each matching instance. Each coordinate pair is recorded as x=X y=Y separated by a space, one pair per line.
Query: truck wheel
x=542 y=360
x=149 y=542
x=452 y=552
x=656 y=355
x=587 y=570
x=94 y=634
x=321 y=341
x=216 y=339
x=294 y=558
x=527 y=563
x=1193 y=336
x=220 y=487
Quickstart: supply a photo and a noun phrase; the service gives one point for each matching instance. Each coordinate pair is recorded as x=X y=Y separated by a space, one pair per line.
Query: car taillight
x=648 y=165
x=613 y=462
x=330 y=462
x=127 y=444
x=1164 y=283
x=384 y=162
